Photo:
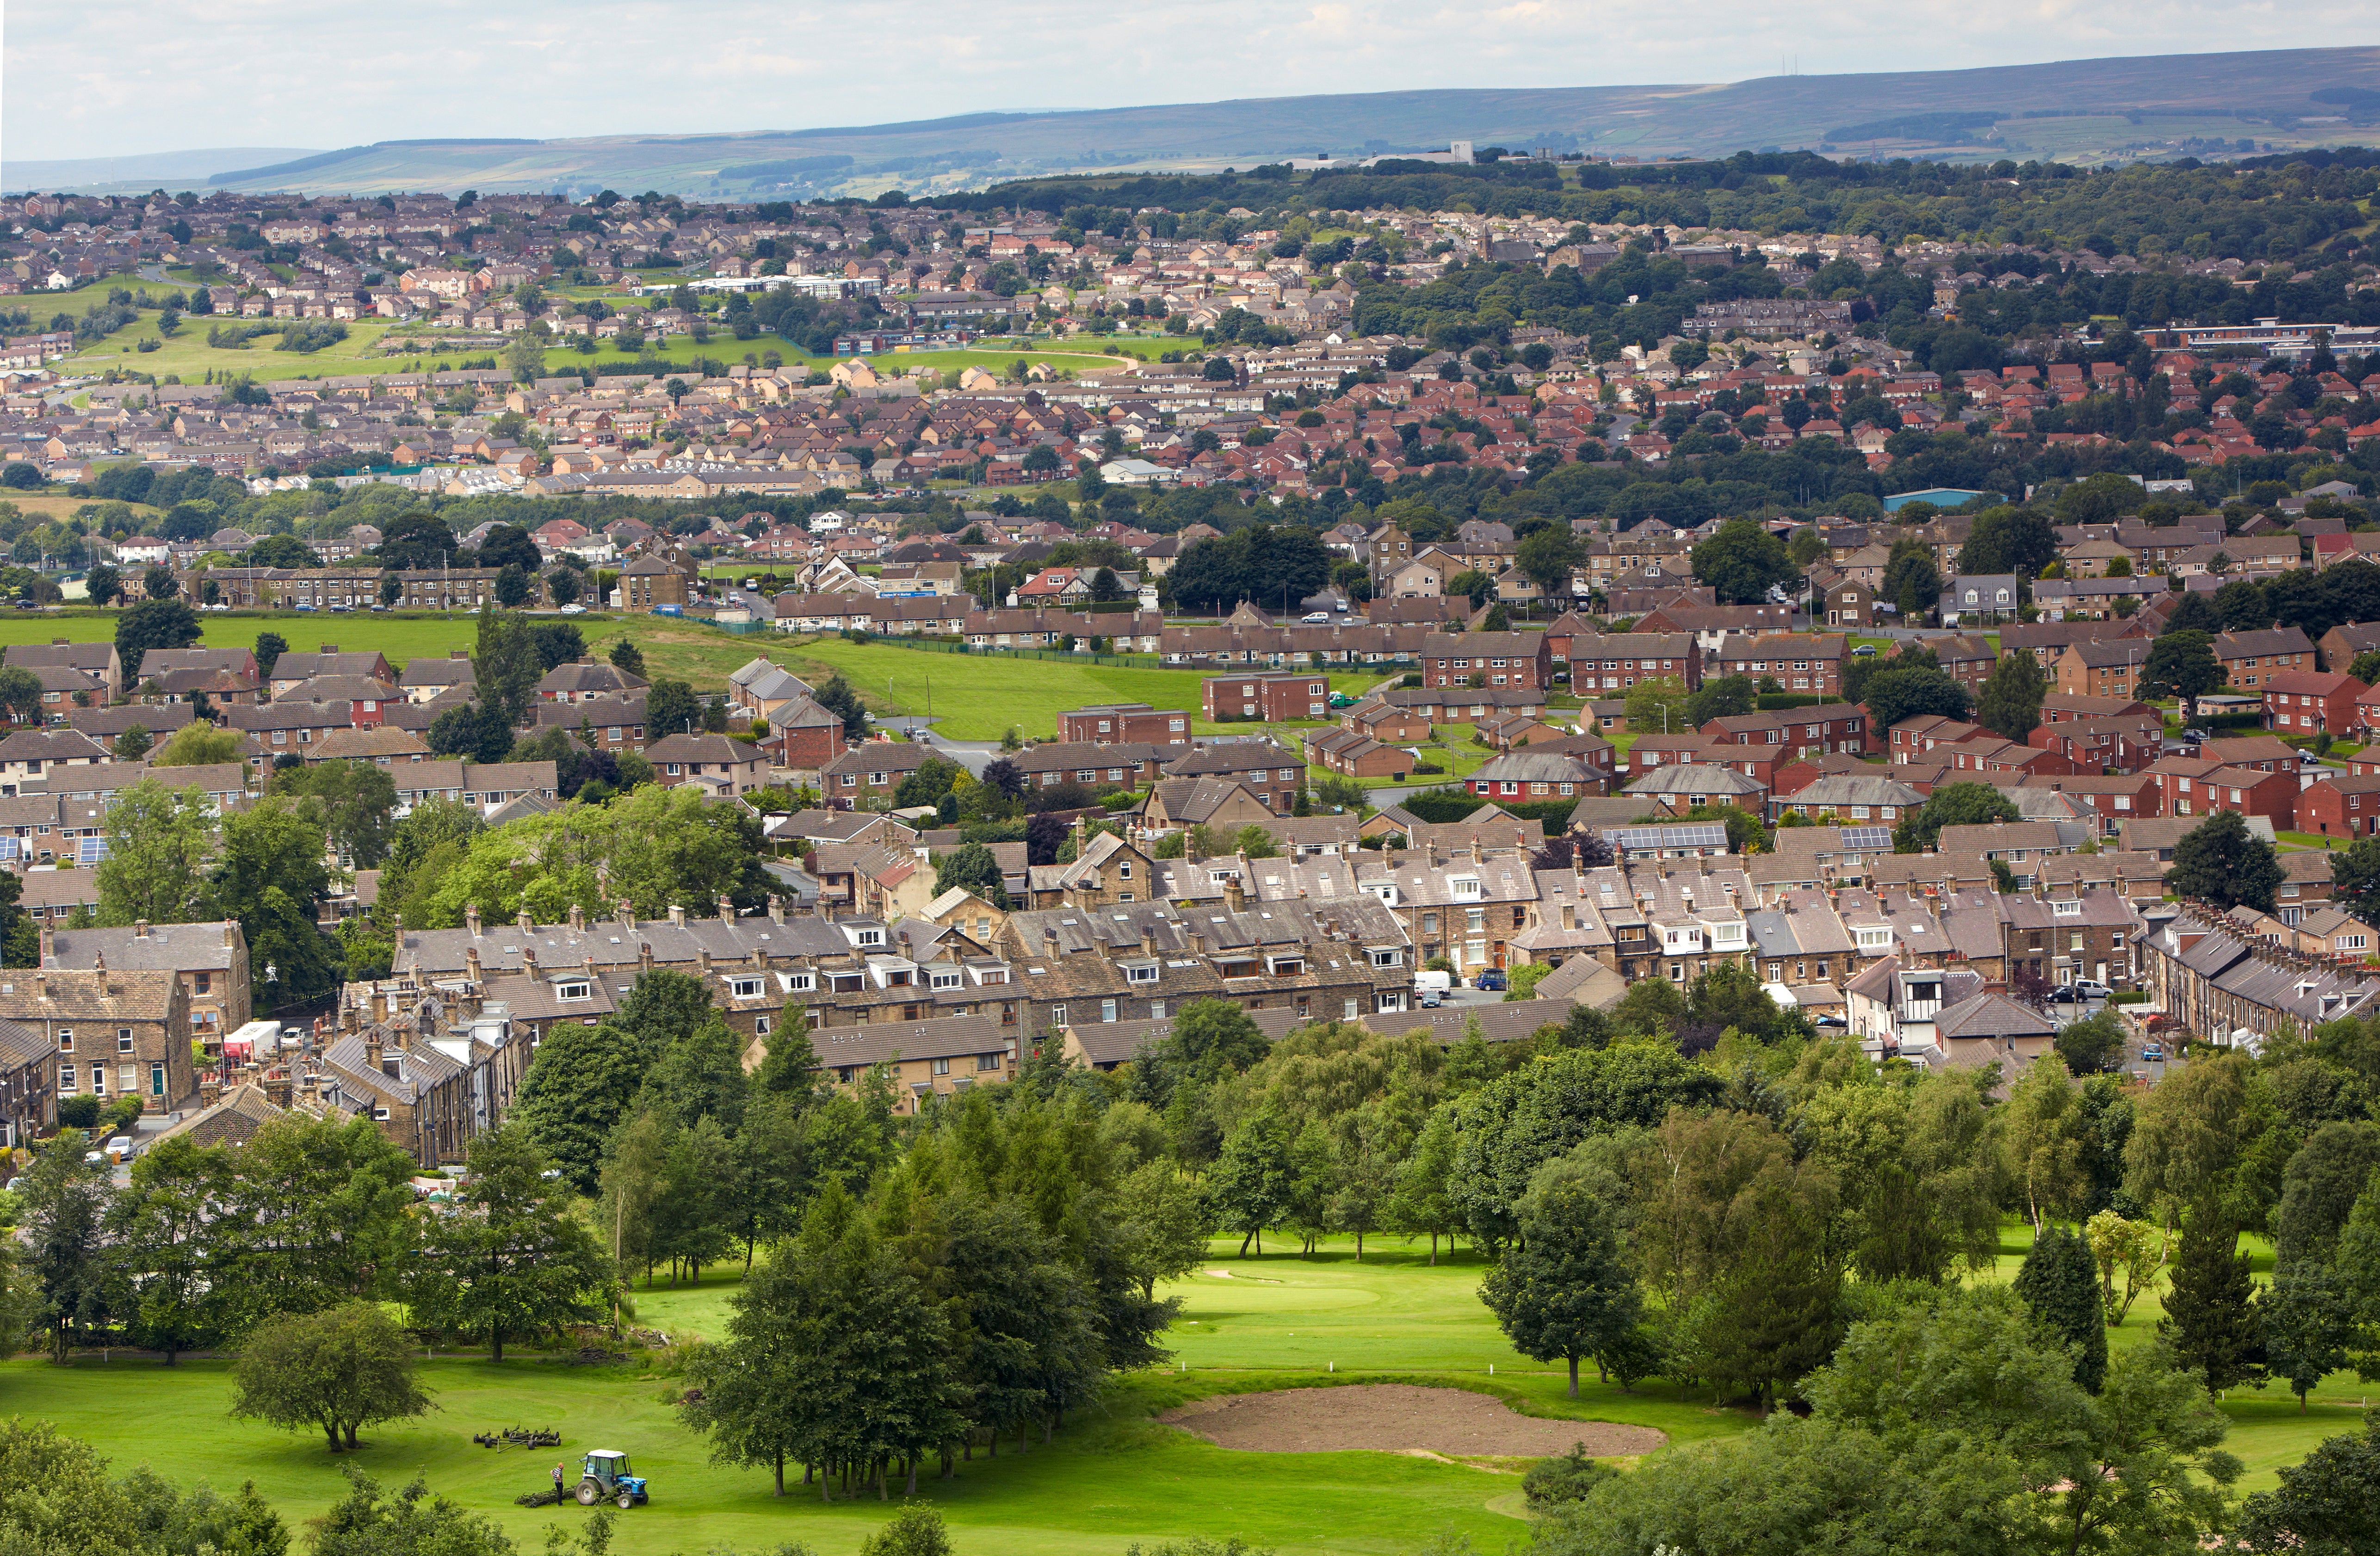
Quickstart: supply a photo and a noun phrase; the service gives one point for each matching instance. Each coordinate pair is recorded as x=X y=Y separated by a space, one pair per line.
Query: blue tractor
x=606 y=1475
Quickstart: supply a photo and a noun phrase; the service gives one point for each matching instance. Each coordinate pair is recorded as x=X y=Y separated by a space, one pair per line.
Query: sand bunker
x=1395 y=1417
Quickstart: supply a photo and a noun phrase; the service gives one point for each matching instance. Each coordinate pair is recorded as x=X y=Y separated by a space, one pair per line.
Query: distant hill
x=2073 y=110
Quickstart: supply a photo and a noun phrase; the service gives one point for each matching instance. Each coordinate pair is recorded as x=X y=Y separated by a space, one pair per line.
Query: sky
x=147 y=76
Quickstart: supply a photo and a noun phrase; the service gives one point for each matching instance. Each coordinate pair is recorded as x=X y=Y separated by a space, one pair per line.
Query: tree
x=2327 y=1505
x=63 y=1204
x=158 y=842
x=2138 y=1246
x=269 y=876
x=2008 y=539
x=1741 y=562
x=1658 y=705
x=970 y=867
x=670 y=709
x=2181 y=663
x=281 y=550
x=416 y=543
x=515 y=1257
x=365 y=1524
x=508 y=545
x=270 y=647
x=353 y=802
x=1565 y=1290
x=480 y=733
x=1721 y=696
x=1911 y=580
x=1548 y=556
x=2086 y=1045
x=2308 y=1319
x=153 y=624
x=198 y=744
x=2210 y=1311
x=1894 y=694
x=20 y=694
x=562 y=586
x=505 y=667
x=2010 y=704
x=159 y=582
x=104 y=584
x=340 y=1369
x=1251 y=1183
x=837 y=698
x=511 y=586
x=2354 y=876
x=2220 y=862
x=159 y=1230
x=625 y=655
x=2058 y=1283
x=1952 y=805
x=2319 y=1189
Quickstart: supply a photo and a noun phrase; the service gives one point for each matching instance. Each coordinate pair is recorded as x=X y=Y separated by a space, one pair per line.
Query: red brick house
x=1930 y=737
x=2122 y=745
x=2197 y=786
x=1617 y=661
x=1980 y=761
x=2340 y=807
x=1803 y=661
x=2250 y=659
x=1797 y=731
x=1273 y=698
x=2059 y=708
x=1499 y=659
x=1104 y=722
x=2117 y=797
x=2311 y=701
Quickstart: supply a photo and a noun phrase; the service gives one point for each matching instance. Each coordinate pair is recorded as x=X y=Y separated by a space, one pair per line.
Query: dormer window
x=1140 y=972
x=800 y=983
x=745 y=988
x=2067 y=909
x=1463 y=887
x=871 y=937
x=946 y=979
x=1873 y=939
x=574 y=991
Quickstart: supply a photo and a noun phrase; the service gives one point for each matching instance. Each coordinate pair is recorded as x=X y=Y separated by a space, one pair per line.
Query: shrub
x=1566 y=1479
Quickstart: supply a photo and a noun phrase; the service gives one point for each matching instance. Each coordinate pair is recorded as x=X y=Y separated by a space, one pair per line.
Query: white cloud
x=159 y=75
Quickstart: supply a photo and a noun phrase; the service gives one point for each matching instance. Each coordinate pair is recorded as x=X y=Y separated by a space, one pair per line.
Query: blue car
x=1492 y=980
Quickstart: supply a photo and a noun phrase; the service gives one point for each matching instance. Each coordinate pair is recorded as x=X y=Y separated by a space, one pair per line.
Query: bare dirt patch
x=1396 y=1417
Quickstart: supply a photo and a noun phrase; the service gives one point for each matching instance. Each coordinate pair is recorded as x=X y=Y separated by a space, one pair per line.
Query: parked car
x=1492 y=980
x=2091 y=989
x=1314 y=618
x=1865 y=651
x=2153 y=1053
x=1430 y=1000
x=2065 y=994
x=574 y=609
x=2195 y=734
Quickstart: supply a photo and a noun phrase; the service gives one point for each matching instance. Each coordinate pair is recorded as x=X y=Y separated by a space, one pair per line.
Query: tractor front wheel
x=590 y=1492
x=627 y=1501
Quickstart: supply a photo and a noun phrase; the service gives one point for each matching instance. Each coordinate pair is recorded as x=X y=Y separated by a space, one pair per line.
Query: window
x=745 y=988
x=1141 y=973
x=1107 y=1009
x=941 y=1066
x=206 y=983
x=574 y=991
x=1057 y=1016
x=66 y=1078
x=760 y=1026
x=987 y=1060
x=124 y=1040
x=66 y=1040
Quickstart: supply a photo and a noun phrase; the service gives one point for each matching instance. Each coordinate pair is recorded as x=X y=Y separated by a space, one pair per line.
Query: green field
x=401 y=636
x=1112 y=1477
x=976 y=697
x=188 y=355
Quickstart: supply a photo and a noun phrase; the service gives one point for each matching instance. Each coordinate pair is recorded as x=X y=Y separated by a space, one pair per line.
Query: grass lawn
x=979 y=695
x=187 y=354
x=1112 y=1477
x=2305 y=840
x=402 y=636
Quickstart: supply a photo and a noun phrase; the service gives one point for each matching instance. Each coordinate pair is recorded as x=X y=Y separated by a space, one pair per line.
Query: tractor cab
x=605 y=1476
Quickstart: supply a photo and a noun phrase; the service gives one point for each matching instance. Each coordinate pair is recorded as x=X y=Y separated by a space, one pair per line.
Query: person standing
x=557 y=1480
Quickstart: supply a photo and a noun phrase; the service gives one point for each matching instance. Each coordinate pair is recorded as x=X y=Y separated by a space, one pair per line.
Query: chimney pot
x=727 y=908
x=471 y=919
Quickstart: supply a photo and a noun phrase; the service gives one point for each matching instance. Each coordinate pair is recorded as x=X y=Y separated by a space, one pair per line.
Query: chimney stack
x=627 y=913
x=702 y=957
x=231 y=932
x=471 y=964
x=528 y=960
x=527 y=924
x=727 y=908
x=141 y=929
x=49 y=945
x=1235 y=896
x=677 y=916
x=471 y=919
x=371 y=1049
x=776 y=909
x=577 y=918
x=644 y=955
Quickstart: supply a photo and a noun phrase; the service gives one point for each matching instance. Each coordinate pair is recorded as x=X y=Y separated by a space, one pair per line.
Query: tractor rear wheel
x=590 y=1492
x=627 y=1501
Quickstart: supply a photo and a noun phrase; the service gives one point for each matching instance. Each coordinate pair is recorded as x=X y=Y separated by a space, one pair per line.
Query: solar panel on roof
x=90 y=850
x=8 y=847
x=1699 y=834
x=1867 y=839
